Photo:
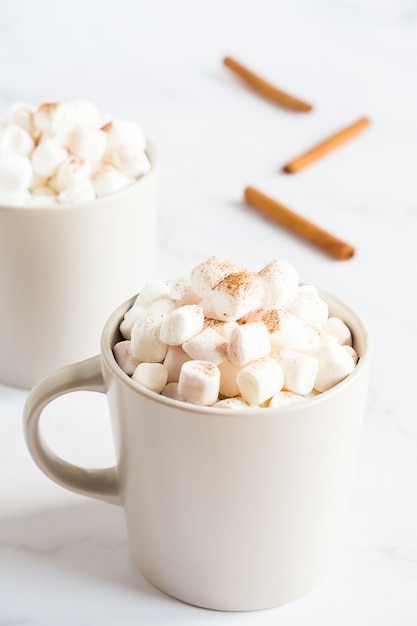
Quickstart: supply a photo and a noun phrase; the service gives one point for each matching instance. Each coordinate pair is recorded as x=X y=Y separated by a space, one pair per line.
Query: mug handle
x=86 y=375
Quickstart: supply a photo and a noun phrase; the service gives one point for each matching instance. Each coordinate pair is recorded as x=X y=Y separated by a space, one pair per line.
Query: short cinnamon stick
x=335 y=247
x=326 y=146
x=265 y=88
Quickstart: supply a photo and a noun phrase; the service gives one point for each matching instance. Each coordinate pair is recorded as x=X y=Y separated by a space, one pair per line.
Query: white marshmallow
x=231 y=403
x=47 y=156
x=134 y=313
x=152 y=290
x=130 y=160
x=146 y=343
x=124 y=357
x=228 y=384
x=206 y=275
x=285 y=328
x=248 y=342
x=71 y=171
x=83 y=191
x=14 y=197
x=88 y=143
x=300 y=371
x=16 y=140
x=174 y=360
x=86 y=113
x=54 y=118
x=199 y=382
x=108 y=180
x=161 y=308
x=235 y=295
x=182 y=324
x=307 y=305
x=284 y=398
x=39 y=199
x=335 y=363
x=15 y=171
x=153 y=376
x=208 y=345
x=21 y=114
x=335 y=326
x=181 y=292
x=171 y=391
x=121 y=133
x=260 y=380
x=280 y=280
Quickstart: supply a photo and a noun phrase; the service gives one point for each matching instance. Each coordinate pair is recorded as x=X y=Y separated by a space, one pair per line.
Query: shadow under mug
x=225 y=509
x=64 y=269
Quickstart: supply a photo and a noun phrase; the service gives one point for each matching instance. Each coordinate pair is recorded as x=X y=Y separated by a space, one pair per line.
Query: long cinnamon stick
x=337 y=248
x=265 y=88
x=326 y=146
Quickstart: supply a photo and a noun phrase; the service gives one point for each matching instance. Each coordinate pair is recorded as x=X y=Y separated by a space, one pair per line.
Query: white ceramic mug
x=64 y=269
x=225 y=509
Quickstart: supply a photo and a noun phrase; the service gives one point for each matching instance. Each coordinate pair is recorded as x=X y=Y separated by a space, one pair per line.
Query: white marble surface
x=64 y=558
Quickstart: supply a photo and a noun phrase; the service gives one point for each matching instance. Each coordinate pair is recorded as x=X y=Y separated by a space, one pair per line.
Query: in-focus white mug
x=225 y=509
x=64 y=269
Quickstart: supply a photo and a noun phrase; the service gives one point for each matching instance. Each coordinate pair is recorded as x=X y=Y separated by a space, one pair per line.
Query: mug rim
x=111 y=333
x=62 y=208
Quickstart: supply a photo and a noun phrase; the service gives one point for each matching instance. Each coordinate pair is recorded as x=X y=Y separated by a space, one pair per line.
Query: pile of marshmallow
x=69 y=152
x=228 y=337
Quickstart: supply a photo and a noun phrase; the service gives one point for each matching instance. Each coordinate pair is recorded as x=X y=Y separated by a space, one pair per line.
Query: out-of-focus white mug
x=225 y=509
x=64 y=269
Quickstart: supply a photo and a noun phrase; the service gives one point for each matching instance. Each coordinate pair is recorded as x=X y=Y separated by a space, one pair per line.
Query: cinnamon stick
x=265 y=88
x=335 y=247
x=326 y=146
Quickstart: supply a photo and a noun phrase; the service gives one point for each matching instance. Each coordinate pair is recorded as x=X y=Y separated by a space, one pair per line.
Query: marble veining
x=63 y=558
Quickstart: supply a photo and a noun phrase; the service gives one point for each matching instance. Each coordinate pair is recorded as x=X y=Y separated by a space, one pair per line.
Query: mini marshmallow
x=236 y=295
x=83 y=191
x=39 y=199
x=71 y=171
x=14 y=197
x=146 y=343
x=53 y=118
x=284 y=398
x=285 y=328
x=88 y=143
x=248 y=343
x=108 y=180
x=153 y=290
x=181 y=292
x=208 y=345
x=86 y=113
x=199 y=382
x=120 y=133
x=47 y=156
x=260 y=380
x=124 y=357
x=16 y=140
x=228 y=384
x=130 y=160
x=15 y=171
x=335 y=326
x=21 y=114
x=207 y=274
x=160 y=308
x=153 y=376
x=300 y=371
x=182 y=324
x=171 y=391
x=134 y=313
x=335 y=363
x=307 y=305
x=174 y=360
x=231 y=403
x=280 y=281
